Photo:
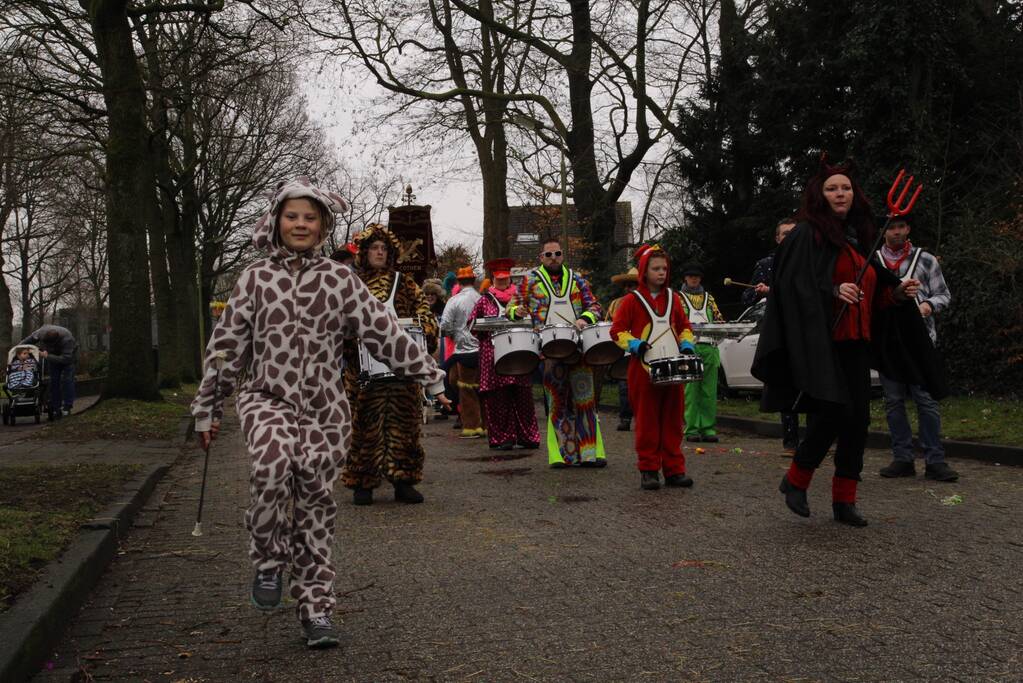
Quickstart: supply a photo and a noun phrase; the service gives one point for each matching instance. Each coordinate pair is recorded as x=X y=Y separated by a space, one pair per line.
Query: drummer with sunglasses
x=549 y=294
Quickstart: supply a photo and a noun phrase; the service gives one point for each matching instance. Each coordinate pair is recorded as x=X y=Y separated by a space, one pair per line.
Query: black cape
x=795 y=358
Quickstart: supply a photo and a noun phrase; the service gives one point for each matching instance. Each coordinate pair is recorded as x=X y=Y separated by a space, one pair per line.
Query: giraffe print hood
x=265 y=235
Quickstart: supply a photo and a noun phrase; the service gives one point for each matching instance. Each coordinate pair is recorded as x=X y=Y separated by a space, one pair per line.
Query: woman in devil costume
x=807 y=360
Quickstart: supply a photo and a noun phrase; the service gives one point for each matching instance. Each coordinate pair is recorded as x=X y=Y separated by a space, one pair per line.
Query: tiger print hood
x=377 y=232
x=265 y=235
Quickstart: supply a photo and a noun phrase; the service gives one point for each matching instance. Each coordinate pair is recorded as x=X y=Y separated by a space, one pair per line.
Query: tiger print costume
x=387 y=416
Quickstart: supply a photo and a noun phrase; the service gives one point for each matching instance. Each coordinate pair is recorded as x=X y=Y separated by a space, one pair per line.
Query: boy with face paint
x=284 y=325
x=651 y=324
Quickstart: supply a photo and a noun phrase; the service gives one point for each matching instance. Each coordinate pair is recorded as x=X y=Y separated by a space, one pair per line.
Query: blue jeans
x=62 y=386
x=895 y=395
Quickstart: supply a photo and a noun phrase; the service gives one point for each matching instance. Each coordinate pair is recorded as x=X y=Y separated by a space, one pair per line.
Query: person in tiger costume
x=387 y=414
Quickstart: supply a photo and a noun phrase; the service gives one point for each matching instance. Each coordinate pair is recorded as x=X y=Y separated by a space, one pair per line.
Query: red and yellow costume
x=658 y=409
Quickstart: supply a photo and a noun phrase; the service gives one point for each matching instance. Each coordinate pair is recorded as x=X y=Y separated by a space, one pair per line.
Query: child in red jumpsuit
x=651 y=324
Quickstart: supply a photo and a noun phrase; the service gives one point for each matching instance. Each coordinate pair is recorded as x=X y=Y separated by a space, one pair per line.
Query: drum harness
x=661 y=347
x=389 y=304
x=560 y=303
x=909 y=271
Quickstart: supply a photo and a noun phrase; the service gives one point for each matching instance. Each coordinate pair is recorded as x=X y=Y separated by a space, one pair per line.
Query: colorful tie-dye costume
x=573 y=430
x=507 y=400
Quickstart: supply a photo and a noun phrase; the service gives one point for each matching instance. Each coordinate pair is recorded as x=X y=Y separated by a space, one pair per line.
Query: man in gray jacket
x=906 y=261
x=58 y=346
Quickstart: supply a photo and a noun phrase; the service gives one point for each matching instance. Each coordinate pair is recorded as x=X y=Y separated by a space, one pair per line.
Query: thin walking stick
x=218 y=361
x=897 y=206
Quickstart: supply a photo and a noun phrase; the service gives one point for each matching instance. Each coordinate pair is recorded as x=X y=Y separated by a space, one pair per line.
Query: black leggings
x=847 y=423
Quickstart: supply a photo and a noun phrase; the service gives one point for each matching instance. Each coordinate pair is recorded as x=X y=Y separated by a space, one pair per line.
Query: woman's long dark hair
x=816 y=211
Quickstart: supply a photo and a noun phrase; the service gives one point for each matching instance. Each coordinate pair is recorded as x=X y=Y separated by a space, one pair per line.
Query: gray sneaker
x=267 y=587
x=320 y=633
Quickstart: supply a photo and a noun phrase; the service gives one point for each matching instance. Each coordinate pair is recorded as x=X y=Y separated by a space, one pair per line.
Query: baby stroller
x=24 y=392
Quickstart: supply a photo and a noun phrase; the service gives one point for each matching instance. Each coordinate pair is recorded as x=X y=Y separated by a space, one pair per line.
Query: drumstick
x=570 y=322
x=657 y=338
x=730 y=281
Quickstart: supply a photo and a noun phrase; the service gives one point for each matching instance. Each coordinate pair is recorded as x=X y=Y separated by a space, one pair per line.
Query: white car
x=737 y=356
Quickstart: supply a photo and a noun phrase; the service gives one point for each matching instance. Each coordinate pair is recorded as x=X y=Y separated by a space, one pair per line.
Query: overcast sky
x=455 y=195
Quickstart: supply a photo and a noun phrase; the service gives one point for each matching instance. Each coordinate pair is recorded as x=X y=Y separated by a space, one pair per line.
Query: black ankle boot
x=795 y=497
x=361 y=496
x=405 y=492
x=846 y=513
x=651 y=481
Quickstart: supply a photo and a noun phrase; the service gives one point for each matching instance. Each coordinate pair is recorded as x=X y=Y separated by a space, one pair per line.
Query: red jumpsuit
x=658 y=410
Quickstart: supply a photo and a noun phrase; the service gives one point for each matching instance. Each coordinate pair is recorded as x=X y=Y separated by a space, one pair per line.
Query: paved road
x=514 y=572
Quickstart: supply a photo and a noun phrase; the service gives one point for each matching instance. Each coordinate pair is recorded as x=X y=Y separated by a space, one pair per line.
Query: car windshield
x=755 y=313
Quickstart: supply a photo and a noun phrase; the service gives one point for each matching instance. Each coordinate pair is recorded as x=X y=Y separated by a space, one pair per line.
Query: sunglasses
x=552 y=254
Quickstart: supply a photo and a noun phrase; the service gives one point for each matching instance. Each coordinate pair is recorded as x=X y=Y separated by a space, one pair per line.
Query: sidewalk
x=511 y=571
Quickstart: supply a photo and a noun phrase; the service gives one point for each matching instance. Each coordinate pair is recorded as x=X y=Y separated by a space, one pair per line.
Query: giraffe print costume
x=284 y=325
x=388 y=415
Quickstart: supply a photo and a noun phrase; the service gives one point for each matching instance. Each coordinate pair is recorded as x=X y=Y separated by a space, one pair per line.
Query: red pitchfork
x=896 y=207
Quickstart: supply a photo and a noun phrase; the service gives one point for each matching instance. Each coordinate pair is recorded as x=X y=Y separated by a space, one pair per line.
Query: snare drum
x=516 y=351
x=687 y=367
x=598 y=349
x=496 y=323
x=372 y=370
x=619 y=370
x=559 y=341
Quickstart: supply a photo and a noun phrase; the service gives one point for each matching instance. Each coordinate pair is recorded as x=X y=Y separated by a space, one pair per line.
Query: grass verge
x=122 y=419
x=963 y=418
x=41 y=508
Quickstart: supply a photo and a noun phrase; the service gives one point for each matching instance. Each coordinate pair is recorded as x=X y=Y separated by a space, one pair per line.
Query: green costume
x=701 y=411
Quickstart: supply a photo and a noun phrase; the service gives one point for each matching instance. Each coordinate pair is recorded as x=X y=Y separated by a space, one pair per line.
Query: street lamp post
x=531 y=124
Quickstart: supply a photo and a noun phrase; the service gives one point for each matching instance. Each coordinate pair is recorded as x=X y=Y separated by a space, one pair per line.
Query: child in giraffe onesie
x=702 y=396
x=651 y=324
x=283 y=326
x=387 y=414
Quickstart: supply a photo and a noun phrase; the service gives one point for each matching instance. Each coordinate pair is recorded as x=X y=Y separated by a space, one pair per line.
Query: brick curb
x=34 y=625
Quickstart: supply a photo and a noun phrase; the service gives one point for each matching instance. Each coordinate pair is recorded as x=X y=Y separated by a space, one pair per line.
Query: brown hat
x=624 y=278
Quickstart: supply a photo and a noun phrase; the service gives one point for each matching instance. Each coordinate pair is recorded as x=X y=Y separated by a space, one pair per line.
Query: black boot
x=624 y=424
x=649 y=480
x=846 y=513
x=795 y=497
x=940 y=471
x=898 y=468
x=405 y=492
x=680 y=480
x=361 y=496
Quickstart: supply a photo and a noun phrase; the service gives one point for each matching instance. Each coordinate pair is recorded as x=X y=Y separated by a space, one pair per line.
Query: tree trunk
x=131 y=374
x=6 y=317
x=494 y=172
x=181 y=251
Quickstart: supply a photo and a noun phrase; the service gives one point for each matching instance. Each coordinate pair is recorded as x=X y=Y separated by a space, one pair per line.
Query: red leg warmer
x=799 y=477
x=843 y=490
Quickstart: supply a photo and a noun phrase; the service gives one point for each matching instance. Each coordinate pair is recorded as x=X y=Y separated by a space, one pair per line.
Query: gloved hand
x=638 y=348
x=686 y=346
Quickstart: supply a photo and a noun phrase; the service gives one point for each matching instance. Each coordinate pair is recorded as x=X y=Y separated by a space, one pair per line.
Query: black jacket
x=795 y=353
